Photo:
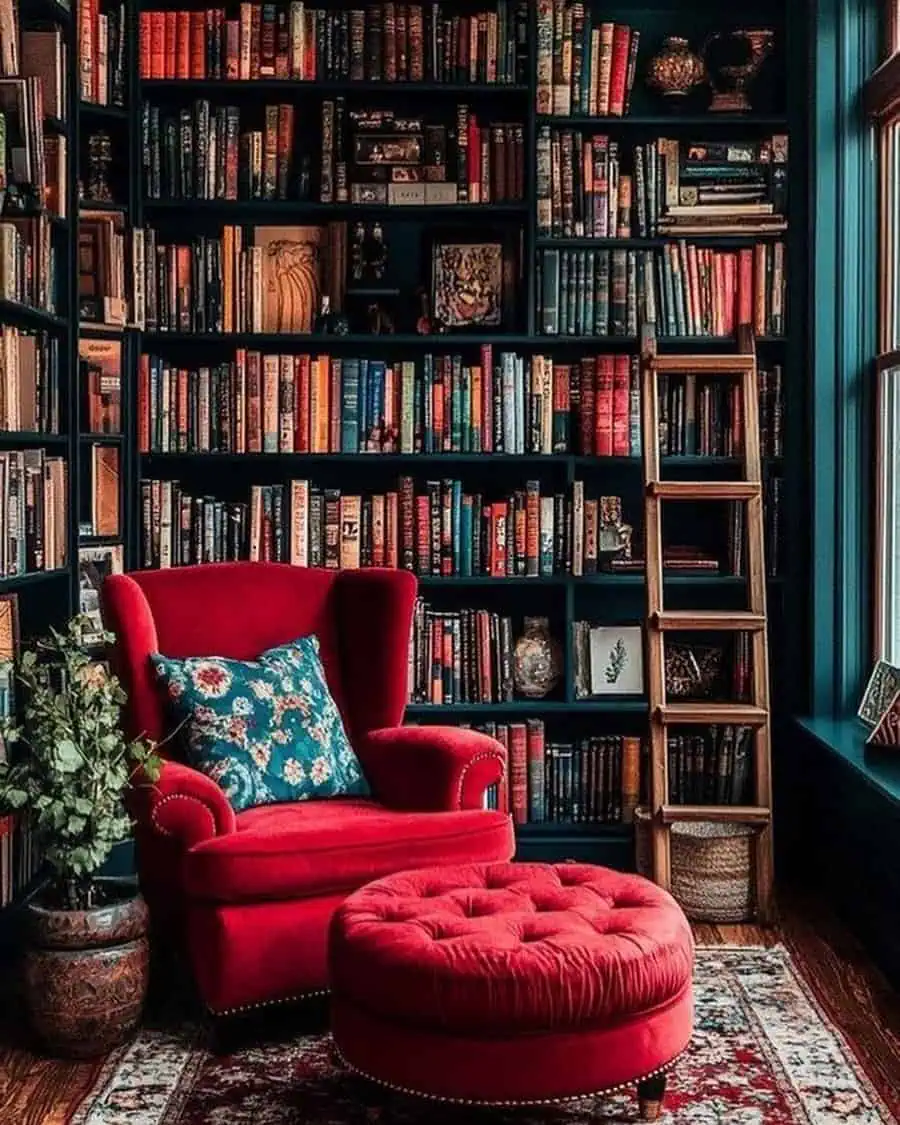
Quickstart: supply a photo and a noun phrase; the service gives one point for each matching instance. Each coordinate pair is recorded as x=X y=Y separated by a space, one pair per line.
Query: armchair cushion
x=265 y=730
x=317 y=848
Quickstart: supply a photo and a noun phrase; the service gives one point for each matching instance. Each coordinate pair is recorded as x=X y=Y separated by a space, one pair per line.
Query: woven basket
x=712 y=867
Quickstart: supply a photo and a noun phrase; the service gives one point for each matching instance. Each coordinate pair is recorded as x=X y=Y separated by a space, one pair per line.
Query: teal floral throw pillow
x=265 y=730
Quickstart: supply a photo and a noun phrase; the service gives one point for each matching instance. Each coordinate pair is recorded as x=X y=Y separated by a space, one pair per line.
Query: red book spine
x=254 y=403
x=182 y=44
x=157 y=44
x=171 y=38
x=423 y=535
x=619 y=69
x=535 y=753
x=586 y=400
x=473 y=150
x=499 y=532
x=487 y=398
x=518 y=772
x=144 y=405
x=603 y=407
x=301 y=404
x=182 y=410
x=391 y=530
x=621 y=406
x=144 y=55
x=745 y=287
x=198 y=45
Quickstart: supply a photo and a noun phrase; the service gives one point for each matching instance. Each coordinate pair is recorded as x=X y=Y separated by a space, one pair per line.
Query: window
x=883 y=103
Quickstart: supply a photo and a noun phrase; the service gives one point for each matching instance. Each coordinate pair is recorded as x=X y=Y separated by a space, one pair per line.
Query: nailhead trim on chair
x=178 y=797
x=471 y=762
x=508 y=1104
x=269 y=1003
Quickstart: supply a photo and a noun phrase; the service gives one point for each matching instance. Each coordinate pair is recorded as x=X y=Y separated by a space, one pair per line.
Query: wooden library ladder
x=753 y=621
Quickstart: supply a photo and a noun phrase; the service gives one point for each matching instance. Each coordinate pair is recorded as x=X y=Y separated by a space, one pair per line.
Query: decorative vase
x=733 y=59
x=675 y=70
x=86 y=971
x=536 y=659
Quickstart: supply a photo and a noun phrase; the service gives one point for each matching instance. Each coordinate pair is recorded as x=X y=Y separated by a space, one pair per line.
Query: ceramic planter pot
x=86 y=971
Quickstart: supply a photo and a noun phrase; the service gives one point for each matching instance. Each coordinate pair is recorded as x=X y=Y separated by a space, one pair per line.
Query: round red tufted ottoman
x=512 y=983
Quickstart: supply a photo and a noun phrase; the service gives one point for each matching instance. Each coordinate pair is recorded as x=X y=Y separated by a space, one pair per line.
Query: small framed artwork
x=9 y=626
x=617 y=660
x=883 y=685
x=887 y=730
x=94 y=564
x=467 y=284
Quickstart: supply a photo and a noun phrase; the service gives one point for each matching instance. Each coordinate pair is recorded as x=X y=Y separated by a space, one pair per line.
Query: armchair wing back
x=238 y=610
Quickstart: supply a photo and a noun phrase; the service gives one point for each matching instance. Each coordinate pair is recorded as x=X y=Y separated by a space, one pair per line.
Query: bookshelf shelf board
x=103 y=439
x=18 y=438
x=438 y=580
x=16 y=580
x=407 y=459
x=535 y=707
x=99 y=540
x=11 y=312
x=269 y=208
x=106 y=205
x=670 y=121
x=724 y=241
x=623 y=832
x=440 y=343
x=105 y=112
x=95 y=328
x=256 y=86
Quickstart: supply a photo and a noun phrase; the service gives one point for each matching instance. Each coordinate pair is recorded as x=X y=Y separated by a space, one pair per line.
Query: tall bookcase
x=779 y=99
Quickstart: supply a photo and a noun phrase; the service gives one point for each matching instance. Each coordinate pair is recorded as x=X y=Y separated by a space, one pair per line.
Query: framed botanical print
x=617 y=660
x=883 y=685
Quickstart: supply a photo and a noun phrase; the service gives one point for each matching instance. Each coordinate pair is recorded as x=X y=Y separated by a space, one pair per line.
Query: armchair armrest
x=431 y=769
x=183 y=806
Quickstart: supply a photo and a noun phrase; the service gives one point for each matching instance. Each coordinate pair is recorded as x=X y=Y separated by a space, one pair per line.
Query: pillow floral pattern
x=266 y=730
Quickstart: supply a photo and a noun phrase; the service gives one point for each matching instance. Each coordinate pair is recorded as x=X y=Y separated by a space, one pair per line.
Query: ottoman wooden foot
x=650 y=1097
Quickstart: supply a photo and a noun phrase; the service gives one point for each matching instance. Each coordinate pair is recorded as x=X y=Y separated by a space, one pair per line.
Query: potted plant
x=86 y=956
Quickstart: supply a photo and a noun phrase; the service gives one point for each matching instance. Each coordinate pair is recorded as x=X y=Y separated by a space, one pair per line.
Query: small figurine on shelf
x=330 y=323
x=380 y=321
x=734 y=59
x=423 y=320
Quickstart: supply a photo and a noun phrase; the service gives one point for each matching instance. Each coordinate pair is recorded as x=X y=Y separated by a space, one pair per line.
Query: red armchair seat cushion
x=510 y=982
x=313 y=848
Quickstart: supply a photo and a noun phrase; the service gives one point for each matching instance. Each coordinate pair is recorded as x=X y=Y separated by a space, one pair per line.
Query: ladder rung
x=704 y=489
x=719 y=814
x=702 y=713
x=700 y=619
x=703 y=364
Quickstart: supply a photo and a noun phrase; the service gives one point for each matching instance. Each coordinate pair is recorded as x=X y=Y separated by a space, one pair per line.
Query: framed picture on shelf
x=617 y=660
x=94 y=564
x=471 y=283
x=883 y=685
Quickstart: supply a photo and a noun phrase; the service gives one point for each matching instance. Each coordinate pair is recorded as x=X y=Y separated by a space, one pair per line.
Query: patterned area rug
x=763 y=1053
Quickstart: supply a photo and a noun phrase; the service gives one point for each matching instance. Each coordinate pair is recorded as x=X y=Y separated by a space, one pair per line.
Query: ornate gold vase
x=733 y=59
x=675 y=70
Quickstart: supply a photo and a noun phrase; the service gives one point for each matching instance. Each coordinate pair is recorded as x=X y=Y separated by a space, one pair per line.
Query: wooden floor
x=37 y=1091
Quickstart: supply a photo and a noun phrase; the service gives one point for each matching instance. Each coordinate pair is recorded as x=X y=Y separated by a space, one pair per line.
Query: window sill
x=846 y=738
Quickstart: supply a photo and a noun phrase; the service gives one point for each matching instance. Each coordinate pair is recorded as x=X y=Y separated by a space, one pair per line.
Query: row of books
x=29 y=381
x=593 y=780
x=28 y=263
x=100 y=380
x=585 y=66
x=464 y=656
x=262 y=403
x=372 y=42
x=436 y=528
x=712 y=766
x=684 y=289
x=102 y=37
x=19 y=859
x=375 y=156
x=22 y=147
x=33 y=512
x=672 y=188
x=705 y=416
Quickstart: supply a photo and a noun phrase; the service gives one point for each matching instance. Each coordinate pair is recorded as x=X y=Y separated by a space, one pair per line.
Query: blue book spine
x=350 y=407
x=427 y=400
x=156 y=377
x=519 y=414
x=456 y=419
x=508 y=399
x=466 y=409
x=363 y=405
x=586 y=62
x=456 y=524
x=465 y=533
x=634 y=413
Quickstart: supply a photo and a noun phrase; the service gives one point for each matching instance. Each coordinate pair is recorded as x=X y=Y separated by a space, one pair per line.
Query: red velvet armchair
x=252 y=893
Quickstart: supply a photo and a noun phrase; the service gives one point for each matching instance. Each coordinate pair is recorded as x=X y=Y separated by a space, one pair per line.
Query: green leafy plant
x=618 y=658
x=75 y=764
